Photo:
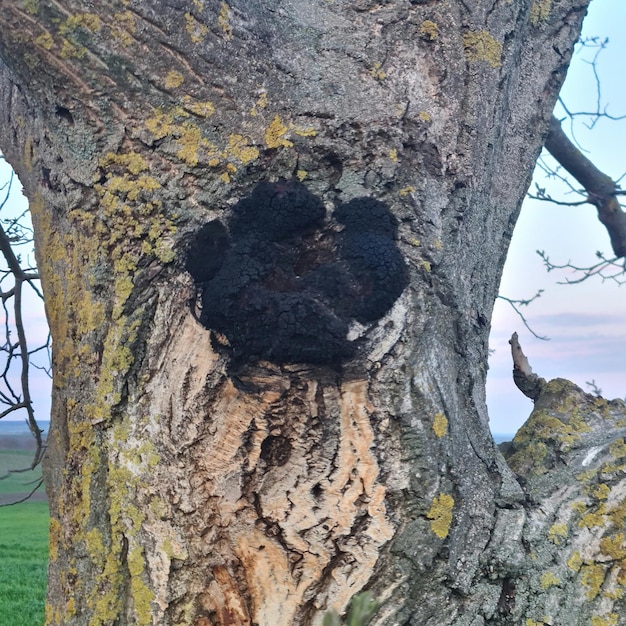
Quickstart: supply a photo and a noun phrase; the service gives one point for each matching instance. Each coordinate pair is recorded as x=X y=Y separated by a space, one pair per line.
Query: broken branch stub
x=523 y=376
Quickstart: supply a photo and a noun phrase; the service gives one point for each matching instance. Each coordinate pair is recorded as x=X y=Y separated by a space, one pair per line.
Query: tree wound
x=283 y=283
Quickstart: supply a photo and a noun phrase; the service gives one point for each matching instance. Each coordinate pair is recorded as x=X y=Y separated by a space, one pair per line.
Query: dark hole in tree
x=283 y=283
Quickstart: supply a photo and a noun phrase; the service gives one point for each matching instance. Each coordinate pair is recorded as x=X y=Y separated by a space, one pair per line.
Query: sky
x=585 y=322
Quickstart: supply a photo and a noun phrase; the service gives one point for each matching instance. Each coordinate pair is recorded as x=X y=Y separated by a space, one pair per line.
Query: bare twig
x=515 y=304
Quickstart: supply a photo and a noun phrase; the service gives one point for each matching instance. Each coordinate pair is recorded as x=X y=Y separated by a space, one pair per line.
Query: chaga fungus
x=282 y=284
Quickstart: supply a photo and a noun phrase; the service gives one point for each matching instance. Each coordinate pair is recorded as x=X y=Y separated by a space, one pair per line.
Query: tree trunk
x=196 y=479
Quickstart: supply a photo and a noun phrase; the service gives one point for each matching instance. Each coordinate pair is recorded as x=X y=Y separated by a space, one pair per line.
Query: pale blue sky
x=585 y=323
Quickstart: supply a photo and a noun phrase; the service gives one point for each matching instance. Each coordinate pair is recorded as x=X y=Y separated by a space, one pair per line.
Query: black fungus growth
x=283 y=285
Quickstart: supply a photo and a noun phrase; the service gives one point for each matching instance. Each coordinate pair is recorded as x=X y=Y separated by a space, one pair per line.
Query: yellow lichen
x=261 y=103
x=132 y=161
x=274 y=134
x=557 y=532
x=223 y=20
x=426 y=266
x=405 y=191
x=540 y=11
x=301 y=175
x=548 y=579
x=55 y=535
x=481 y=46
x=195 y=29
x=614 y=546
x=429 y=30
x=377 y=72
x=173 y=80
x=239 y=147
x=610 y=619
x=594 y=519
x=307 y=131
x=45 y=40
x=200 y=108
x=393 y=155
x=440 y=422
x=601 y=491
x=29 y=153
x=88 y=21
x=575 y=561
x=424 y=116
x=124 y=27
x=190 y=142
x=31 y=6
x=160 y=124
x=592 y=577
x=142 y=595
x=440 y=514
x=69 y=50
x=618 y=449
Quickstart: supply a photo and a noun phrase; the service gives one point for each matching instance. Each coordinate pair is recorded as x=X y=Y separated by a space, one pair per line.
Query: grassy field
x=20 y=482
x=23 y=548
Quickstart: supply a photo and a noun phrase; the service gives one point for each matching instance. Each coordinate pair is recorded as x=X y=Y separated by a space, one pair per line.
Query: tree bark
x=187 y=487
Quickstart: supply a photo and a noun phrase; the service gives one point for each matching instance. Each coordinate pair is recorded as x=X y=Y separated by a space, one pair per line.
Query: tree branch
x=601 y=189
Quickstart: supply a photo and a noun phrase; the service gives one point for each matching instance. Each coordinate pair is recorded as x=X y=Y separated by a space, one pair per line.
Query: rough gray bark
x=132 y=125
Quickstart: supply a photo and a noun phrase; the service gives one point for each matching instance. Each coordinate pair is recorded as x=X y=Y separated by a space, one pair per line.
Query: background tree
x=197 y=478
x=17 y=274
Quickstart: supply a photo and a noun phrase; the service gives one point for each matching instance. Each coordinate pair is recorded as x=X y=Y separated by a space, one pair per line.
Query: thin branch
x=515 y=304
x=601 y=189
x=27 y=497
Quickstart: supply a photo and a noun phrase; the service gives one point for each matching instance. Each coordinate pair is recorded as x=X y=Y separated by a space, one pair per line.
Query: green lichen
x=530 y=459
x=31 y=6
x=440 y=514
x=481 y=46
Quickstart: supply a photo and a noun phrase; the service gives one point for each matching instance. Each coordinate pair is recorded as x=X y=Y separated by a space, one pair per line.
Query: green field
x=23 y=548
x=17 y=482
